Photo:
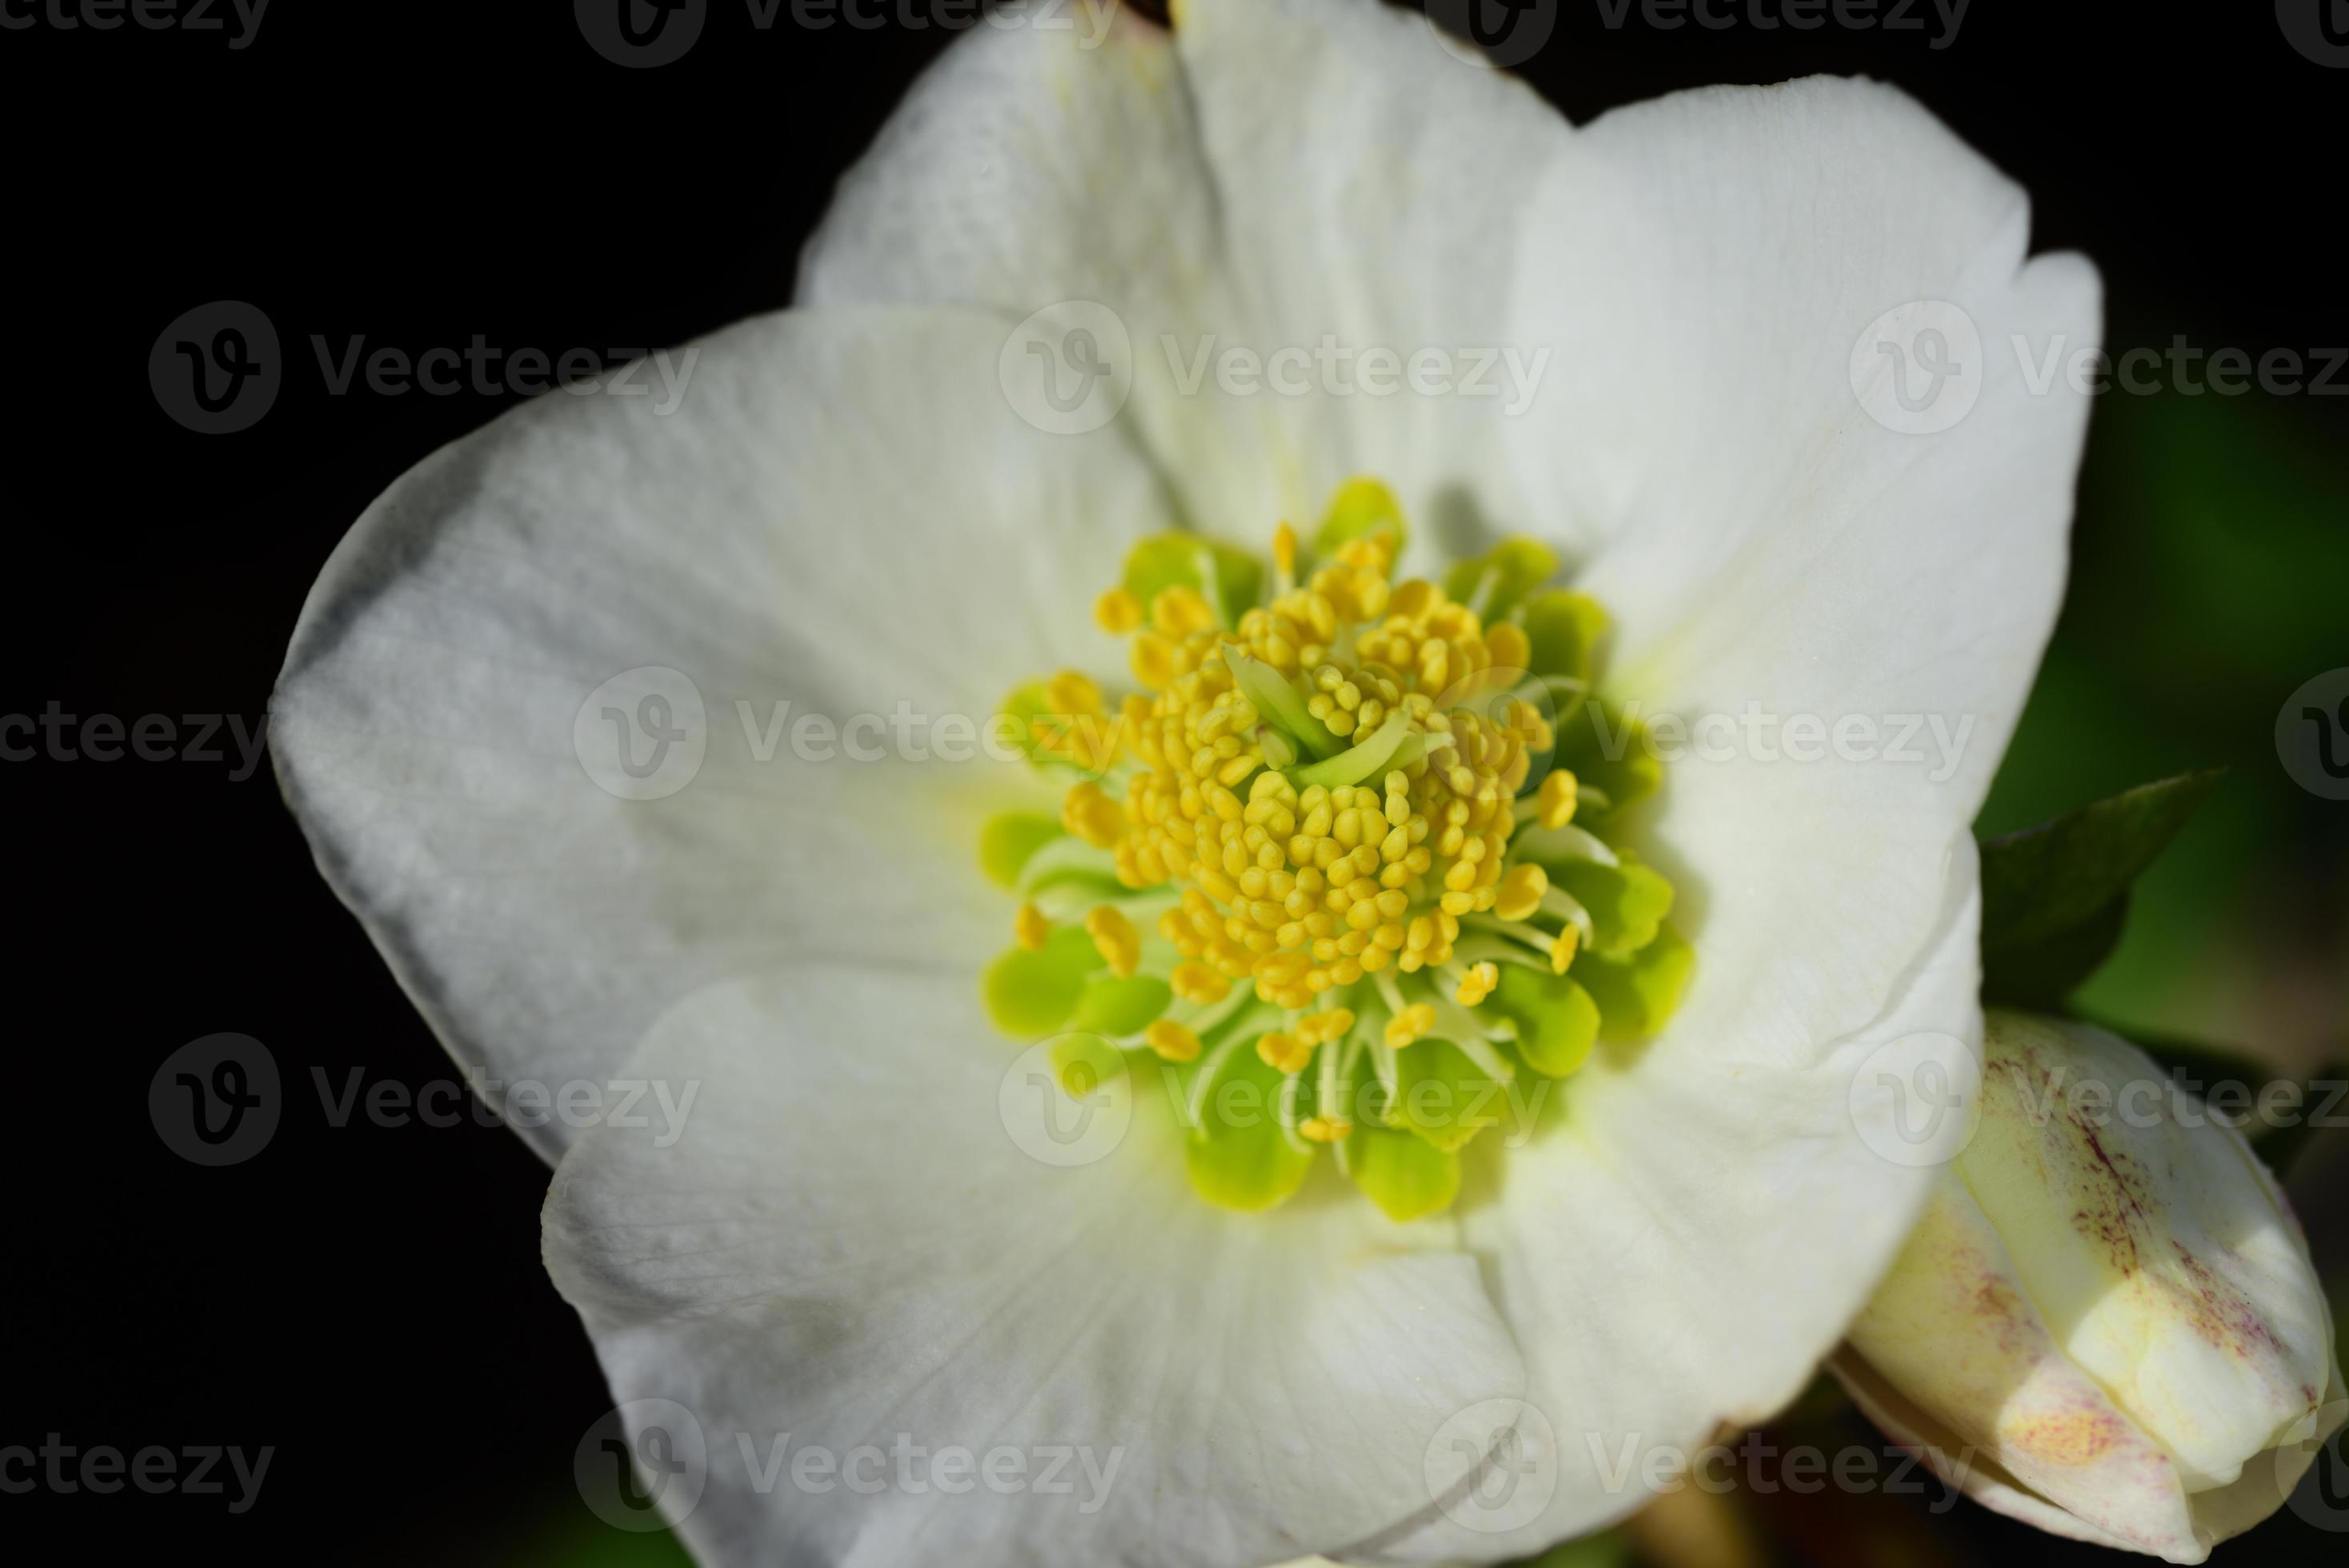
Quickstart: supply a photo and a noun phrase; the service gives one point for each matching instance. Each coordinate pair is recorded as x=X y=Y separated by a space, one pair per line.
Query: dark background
x=368 y=1299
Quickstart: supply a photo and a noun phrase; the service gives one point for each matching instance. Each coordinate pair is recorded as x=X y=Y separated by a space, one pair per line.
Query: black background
x=369 y=1299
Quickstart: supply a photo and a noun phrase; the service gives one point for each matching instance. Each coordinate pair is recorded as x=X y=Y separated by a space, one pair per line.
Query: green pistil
x=1275 y=700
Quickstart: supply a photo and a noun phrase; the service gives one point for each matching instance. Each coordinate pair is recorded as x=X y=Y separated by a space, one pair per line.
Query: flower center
x=1325 y=868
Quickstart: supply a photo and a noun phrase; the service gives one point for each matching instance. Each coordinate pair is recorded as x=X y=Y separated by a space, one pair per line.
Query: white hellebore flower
x=2108 y=1308
x=855 y=1242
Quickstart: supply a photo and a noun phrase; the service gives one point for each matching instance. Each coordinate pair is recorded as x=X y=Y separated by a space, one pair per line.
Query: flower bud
x=2106 y=1324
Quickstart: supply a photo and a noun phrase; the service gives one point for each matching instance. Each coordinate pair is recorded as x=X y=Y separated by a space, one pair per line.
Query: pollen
x=1410 y=1026
x=1554 y=803
x=1114 y=934
x=1295 y=825
x=1521 y=892
x=1174 y=1041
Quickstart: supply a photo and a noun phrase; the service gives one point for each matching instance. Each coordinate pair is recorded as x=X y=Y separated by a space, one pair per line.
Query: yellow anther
x=1561 y=952
x=1092 y=816
x=1284 y=1053
x=1509 y=647
x=1152 y=661
x=1284 y=552
x=1520 y=892
x=1325 y=1128
x=1554 y=803
x=1171 y=1040
x=1117 y=611
x=1181 y=610
x=1477 y=983
x=1410 y=1026
x=1195 y=982
x=1119 y=944
x=1029 y=928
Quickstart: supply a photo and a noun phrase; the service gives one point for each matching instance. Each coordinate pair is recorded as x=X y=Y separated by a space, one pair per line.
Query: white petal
x=1685 y=1246
x=1282 y=174
x=848 y=1244
x=1766 y=547
x=841 y=514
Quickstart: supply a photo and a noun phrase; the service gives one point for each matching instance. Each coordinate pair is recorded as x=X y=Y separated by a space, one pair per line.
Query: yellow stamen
x=1114 y=934
x=1477 y=983
x=1325 y=1128
x=1195 y=982
x=1284 y=552
x=1561 y=952
x=1521 y=892
x=1029 y=928
x=1284 y=1053
x=1171 y=1040
x=1554 y=805
x=1117 y=611
x=1410 y=1026
x=1092 y=816
x=1179 y=611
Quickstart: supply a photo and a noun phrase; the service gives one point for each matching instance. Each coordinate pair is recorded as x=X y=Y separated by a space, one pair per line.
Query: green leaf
x=1114 y=1007
x=1628 y=902
x=1493 y=583
x=1608 y=749
x=1406 y=1177
x=1563 y=627
x=1030 y=993
x=1239 y=1157
x=1009 y=839
x=1557 y=1022
x=1166 y=561
x=2055 y=897
x=1637 y=995
x=1361 y=507
x=1443 y=1095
